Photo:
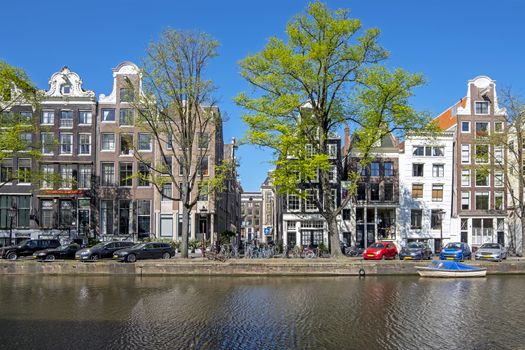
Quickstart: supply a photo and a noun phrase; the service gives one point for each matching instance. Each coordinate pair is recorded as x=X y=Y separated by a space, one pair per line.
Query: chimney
x=346 y=145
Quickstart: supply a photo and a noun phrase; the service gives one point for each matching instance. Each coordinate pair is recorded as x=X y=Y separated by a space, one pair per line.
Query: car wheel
x=166 y=255
x=50 y=257
x=131 y=258
x=94 y=257
x=12 y=256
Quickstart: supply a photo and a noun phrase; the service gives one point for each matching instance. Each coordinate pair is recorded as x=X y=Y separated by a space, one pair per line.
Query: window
x=482 y=129
x=465 y=200
x=332 y=202
x=24 y=170
x=332 y=151
x=415 y=218
x=85 y=117
x=169 y=141
x=332 y=174
x=106 y=217
x=374 y=169
x=465 y=178
x=108 y=174
x=6 y=170
x=47 y=140
x=26 y=140
x=438 y=151
x=309 y=149
x=66 y=119
x=389 y=169
x=498 y=200
x=108 y=115
x=47 y=175
x=84 y=144
x=202 y=193
x=417 y=190
x=48 y=117
x=482 y=154
x=167 y=191
x=84 y=176
x=126 y=144
x=465 y=154
x=126 y=95
x=435 y=219
x=498 y=178
x=438 y=170
x=418 y=151
x=417 y=170
x=126 y=116
x=66 y=176
x=66 y=89
x=204 y=140
x=124 y=207
x=143 y=217
x=498 y=154
x=168 y=163
x=482 y=178
x=389 y=191
x=311 y=196
x=26 y=117
x=203 y=168
x=498 y=127
x=482 y=200
x=374 y=192
x=144 y=142
x=482 y=107
x=437 y=193
x=66 y=143
x=108 y=142
x=361 y=191
x=47 y=213
x=465 y=127
x=144 y=174
x=125 y=174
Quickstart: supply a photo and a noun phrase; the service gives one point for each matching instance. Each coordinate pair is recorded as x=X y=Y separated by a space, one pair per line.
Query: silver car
x=491 y=251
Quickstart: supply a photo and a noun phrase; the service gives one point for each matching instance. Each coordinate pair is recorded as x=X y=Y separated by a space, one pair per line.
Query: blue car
x=457 y=251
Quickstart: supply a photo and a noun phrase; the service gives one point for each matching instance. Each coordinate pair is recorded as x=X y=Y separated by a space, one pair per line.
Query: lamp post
x=12 y=214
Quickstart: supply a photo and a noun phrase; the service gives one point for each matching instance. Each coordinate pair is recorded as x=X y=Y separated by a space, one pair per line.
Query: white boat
x=440 y=268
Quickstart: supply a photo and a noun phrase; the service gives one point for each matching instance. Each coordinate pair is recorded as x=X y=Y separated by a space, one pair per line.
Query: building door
x=83 y=221
x=370 y=234
x=166 y=226
x=501 y=238
x=291 y=239
x=437 y=245
x=464 y=236
x=360 y=236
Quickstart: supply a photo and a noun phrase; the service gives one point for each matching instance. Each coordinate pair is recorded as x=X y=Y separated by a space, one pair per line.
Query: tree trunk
x=521 y=248
x=185 y=231
x=333 y=236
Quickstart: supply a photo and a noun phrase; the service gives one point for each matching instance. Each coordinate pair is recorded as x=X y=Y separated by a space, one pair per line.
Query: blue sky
x=448 y=41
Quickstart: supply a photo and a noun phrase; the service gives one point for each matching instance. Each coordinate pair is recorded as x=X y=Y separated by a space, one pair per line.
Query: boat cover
x=452 y=265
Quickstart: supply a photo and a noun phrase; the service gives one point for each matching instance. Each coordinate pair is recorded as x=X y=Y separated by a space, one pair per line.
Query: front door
x=464 y=237
x=501 y=238
x=370 y=234
x=437 y=245
x=360 y=236
x=291 y=239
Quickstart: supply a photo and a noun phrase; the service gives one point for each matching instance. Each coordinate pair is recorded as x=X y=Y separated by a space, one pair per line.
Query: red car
x=380 y=250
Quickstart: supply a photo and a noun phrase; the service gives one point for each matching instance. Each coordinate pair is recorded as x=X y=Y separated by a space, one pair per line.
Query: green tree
x=326 y=75
x=178 y=110
x=17 y=94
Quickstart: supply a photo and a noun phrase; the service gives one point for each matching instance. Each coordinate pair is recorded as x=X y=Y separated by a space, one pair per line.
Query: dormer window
x=482 y=107
x=66 y=89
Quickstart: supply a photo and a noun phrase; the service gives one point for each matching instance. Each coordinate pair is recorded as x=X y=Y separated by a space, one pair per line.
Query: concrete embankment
x=272 y=267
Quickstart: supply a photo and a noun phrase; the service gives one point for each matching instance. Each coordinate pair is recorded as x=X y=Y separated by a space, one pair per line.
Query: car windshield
x=377 y=245
x=489 y=246
x=100 y=245
x=63 y=247
x=453 y=246
x=139 y=246
x=24 y=242
x=415 y=245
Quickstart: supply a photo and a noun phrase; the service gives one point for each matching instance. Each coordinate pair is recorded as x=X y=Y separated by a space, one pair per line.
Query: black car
x=63 y=252
x=28 y=247
x=415 y=251
x=145 y=251
x=101 y=250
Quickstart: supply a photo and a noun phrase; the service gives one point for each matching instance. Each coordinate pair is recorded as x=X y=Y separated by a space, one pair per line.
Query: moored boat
x=441 y=268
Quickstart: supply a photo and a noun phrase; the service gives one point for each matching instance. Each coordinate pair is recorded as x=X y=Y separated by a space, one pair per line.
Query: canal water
x=64 y=312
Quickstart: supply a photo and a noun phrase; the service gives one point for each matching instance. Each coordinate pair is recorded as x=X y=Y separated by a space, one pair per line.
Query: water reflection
x=260 y=313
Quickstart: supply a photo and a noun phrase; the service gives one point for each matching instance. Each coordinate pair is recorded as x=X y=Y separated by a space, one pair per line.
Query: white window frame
x=476 y=130
x=466 y=196
x=332 y=174
x=476 y=180
x=44 y=142
x=332 y=150
x=496 y=195
x=102 y=115
x=47 y=171
x=475 y=109
x=311 y=207
x=502 y=128
x=465 y=147
x=48 y=112
x=438 y=166
x=475 y=199
x=68 y=175
x=102 y=142
x=499 y=178
x=298 y=202
x=80 y=153
x=476 y=155
x=70 y=135
x=465 y=178
x=82 y=173
x=498 y=154
x=90 y=118
x=468 y=131
x=150 y=148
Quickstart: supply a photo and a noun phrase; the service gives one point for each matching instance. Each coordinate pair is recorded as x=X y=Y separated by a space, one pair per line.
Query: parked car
x=380 y=250
x=491 y=251
x=150 y=250
x=28 y=247
x=415 y=251
x=101 y=251
x=458 y=251
x=66 y=251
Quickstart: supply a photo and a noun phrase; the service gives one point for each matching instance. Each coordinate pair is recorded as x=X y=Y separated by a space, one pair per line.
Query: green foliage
x=323 y=248
x=194 y=244
x=226 y=236
x=92 y=242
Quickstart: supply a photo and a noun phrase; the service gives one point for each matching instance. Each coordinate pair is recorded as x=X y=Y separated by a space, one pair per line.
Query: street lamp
x=12 y=213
